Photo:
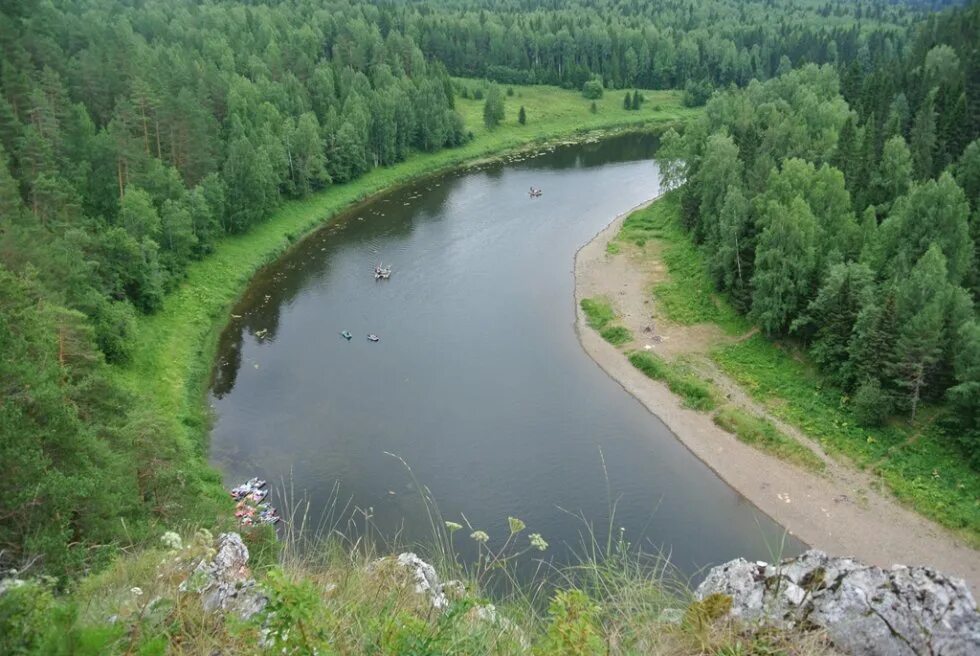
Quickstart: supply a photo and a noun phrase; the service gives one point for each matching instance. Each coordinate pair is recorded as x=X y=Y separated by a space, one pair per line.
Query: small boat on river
x=373 y=338
x=382 y=272
x=534 y=193
x=346 y=334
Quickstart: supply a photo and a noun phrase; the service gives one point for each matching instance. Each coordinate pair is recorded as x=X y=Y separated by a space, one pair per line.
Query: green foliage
x=573 y=627
x=688 y=296
x=915 y=461
x=762 y=434
x=522 y=116
x=598 y=312
x=696 y=393
x=592 y=89
x=294 y=617
x=616 y=335
x=493 y=108
x=871 y=404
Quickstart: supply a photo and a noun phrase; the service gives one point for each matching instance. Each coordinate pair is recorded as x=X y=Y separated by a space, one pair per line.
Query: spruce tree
x=628 y=101
x=522 y=115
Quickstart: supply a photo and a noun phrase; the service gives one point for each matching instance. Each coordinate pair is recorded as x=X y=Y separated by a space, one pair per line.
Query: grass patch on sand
x=688 y=297
x=679 y=378
x=762 y=434
x=599 y=314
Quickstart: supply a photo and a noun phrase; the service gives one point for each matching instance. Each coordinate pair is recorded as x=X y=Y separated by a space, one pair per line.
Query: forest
x=841 y=207
x=834 y=178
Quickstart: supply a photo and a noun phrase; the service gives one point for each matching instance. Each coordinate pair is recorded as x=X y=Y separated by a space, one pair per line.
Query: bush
x=871 y=404
x=592 y=89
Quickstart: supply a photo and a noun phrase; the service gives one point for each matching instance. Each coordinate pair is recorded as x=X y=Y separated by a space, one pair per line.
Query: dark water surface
x=478 y=382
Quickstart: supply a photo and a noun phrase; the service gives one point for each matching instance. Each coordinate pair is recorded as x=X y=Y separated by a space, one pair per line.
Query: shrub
x=574 y=628
x=871 y=404
x=592 y=89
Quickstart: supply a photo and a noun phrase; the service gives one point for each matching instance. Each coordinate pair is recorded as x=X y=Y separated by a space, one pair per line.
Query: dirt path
x=838 y=511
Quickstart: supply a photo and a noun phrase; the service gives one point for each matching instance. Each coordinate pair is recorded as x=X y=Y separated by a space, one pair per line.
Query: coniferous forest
x=833 y=178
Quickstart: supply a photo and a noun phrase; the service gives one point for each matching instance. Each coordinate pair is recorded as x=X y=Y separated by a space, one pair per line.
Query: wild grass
x=599 y=314
x=762 y=434
x=330 y=592
x=688 y=296
x=910 y=459
x=679 y=378
x=616 y=335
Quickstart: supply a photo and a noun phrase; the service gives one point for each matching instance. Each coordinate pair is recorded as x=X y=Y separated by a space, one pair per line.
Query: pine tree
x=628 y=101
x=522 y=115
x=921 y=303
x=924 y=137
x=637 y=99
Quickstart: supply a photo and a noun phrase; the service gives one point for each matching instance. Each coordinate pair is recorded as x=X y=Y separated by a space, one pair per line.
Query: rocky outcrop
x=224 y=581
x=864 y=610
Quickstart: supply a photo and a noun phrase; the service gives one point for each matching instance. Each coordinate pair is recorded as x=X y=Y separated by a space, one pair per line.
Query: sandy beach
x=838 y=511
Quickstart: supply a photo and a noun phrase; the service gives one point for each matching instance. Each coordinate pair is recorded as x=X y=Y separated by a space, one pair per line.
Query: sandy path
x=837 y=511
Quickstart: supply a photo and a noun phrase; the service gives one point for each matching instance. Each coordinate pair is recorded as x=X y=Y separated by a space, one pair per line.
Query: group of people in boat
x=382 y=272
x=534 y=193
x=346 y=334
x=251 y=508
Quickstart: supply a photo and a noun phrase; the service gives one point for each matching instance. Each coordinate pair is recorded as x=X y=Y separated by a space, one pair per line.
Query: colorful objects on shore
x=251 y=509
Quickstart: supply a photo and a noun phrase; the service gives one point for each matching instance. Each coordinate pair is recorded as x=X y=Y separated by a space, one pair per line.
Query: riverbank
x=175 y=346
x=838 y=511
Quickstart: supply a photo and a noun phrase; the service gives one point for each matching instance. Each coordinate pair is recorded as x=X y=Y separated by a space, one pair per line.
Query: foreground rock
x=224 y=581
x=865 y=610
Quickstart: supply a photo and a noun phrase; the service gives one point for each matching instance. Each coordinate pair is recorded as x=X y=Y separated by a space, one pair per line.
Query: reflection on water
x=478 y=382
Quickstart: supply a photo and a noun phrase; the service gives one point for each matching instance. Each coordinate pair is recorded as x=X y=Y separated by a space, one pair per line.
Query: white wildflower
x=538 y=542
x=171 y=540
x=480 y=536
x=136 y=591
x=452 y=527
x=516 y=525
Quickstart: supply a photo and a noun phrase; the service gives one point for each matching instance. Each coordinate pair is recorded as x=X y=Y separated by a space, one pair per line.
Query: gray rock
x=425 y=578
x=224 y=582
x=865 y=610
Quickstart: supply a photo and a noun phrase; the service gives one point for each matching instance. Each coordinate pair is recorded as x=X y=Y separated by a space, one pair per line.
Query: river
x=479 y=382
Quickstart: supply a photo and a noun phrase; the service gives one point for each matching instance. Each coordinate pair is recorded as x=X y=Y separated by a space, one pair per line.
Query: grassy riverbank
x=175 y=346
x=910 y=460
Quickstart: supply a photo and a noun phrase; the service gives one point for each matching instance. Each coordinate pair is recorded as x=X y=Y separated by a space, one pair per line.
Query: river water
x=478 y=383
